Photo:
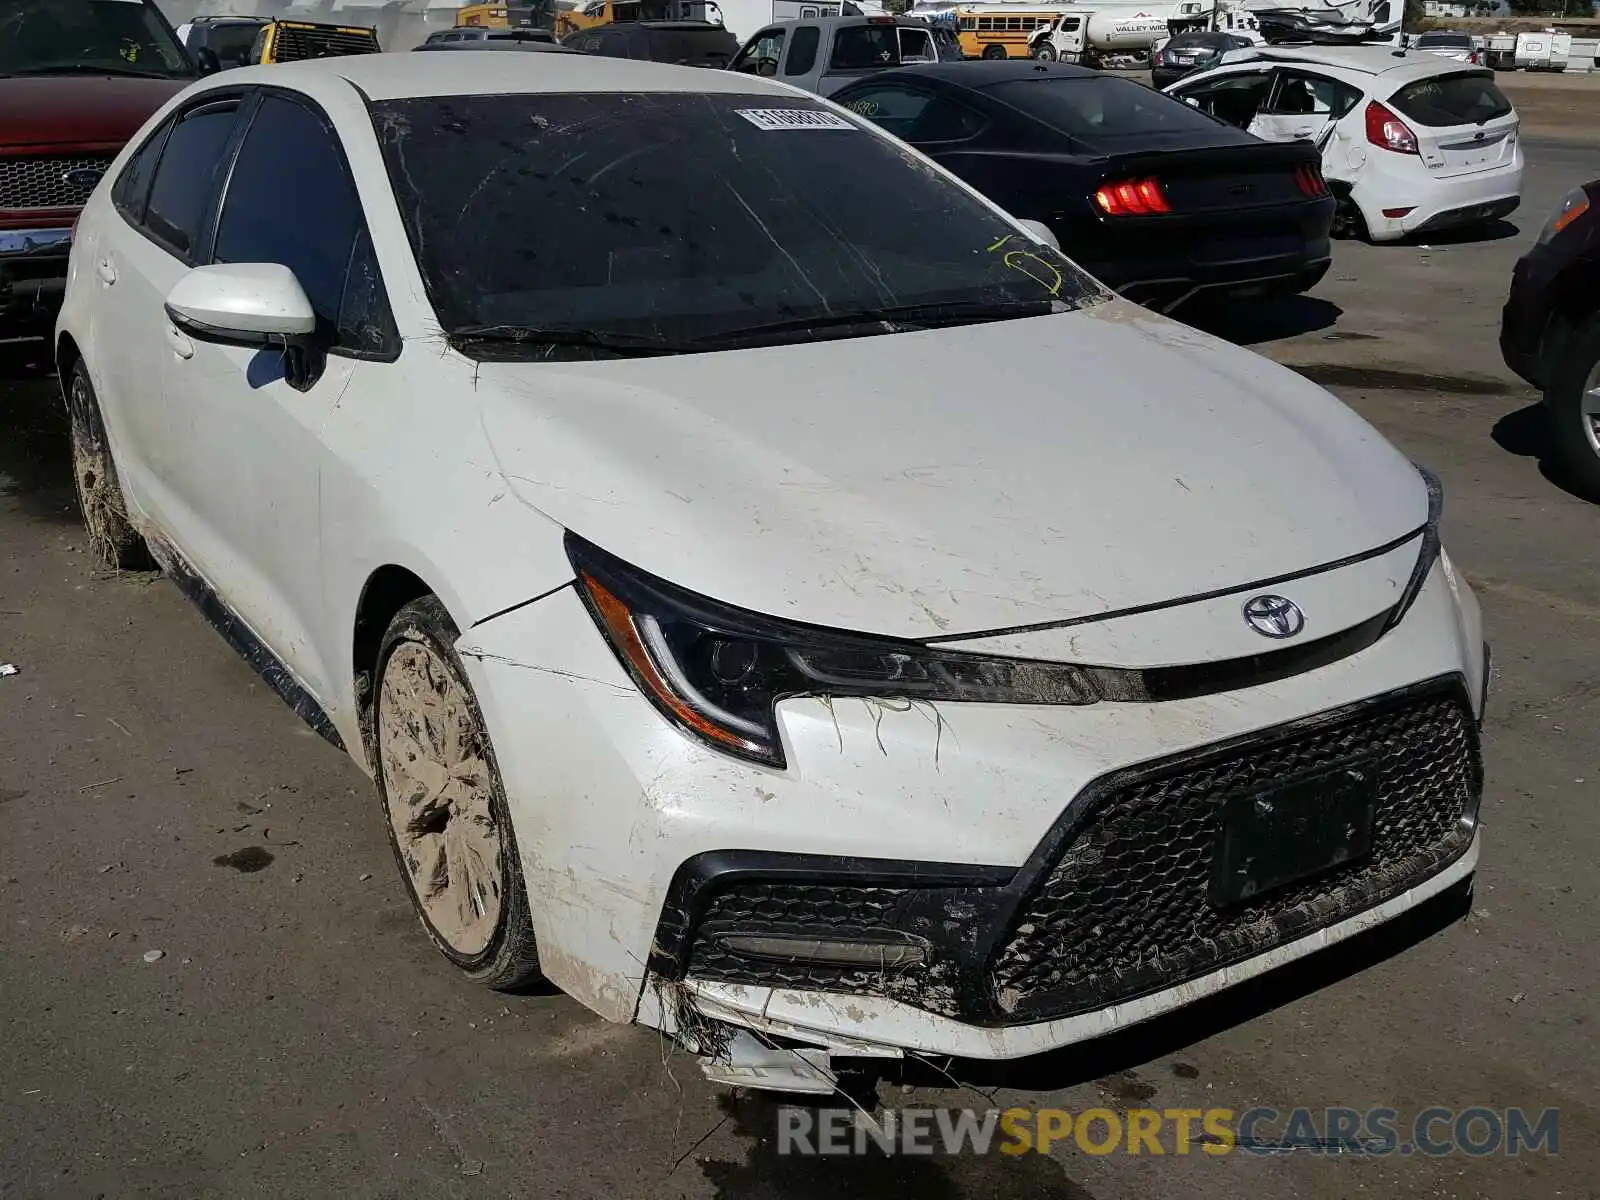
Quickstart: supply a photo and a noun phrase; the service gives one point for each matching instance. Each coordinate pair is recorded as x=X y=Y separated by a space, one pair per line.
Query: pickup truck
x=823 y=54
x=77 y=80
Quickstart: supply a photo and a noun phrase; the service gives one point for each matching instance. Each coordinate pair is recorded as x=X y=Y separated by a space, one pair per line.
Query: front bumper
x=981 y=808
x=33 y=278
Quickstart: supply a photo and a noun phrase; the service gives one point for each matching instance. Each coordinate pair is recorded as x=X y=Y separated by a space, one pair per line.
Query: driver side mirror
x=206 y=61
x=241 y=304
x=255 y=305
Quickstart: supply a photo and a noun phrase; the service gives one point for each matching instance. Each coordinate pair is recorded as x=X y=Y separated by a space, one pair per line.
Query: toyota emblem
x=1274 y=616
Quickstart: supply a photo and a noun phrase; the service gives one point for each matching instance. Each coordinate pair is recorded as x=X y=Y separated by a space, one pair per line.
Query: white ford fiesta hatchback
x=1411 y=143
x=652 y=477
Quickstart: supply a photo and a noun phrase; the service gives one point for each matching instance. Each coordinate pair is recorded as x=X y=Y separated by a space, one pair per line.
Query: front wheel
x=1573 y=401
x=112 y=537
x=1044 y=53
x=448 y=820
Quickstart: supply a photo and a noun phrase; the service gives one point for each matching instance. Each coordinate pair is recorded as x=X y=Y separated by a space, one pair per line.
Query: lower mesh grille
x=817 y=911
x=1123 y=906
x=1126 y=909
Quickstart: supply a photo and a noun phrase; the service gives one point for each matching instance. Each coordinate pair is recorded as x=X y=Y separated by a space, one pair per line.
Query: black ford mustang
x=1155 y=198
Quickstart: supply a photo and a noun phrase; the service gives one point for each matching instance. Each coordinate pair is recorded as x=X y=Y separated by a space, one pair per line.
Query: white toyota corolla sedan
x=780 y=601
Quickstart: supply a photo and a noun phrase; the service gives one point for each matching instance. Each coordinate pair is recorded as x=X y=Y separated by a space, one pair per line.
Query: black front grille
x=48 y=181
x=1126 y=910
x=295 y=43
x=1116 y=903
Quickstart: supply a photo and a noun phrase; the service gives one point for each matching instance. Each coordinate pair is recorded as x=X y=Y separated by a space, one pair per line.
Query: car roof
x=402 y=75
x=681 y=26
x=981 y=73
x=915 y=22
x=1395 y=66
x=507 y=44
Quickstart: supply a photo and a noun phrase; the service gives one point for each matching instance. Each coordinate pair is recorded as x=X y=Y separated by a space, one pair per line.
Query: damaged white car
x=781 y=602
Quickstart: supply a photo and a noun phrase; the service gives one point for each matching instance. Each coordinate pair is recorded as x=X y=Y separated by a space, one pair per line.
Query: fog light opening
x=829 y=952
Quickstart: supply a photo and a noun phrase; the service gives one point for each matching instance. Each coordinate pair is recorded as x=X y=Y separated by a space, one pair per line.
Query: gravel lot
x=298 y=1036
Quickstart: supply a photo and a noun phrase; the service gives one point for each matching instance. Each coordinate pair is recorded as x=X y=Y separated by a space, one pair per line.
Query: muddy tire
x=1573 y=402
x=1044 y=53
x=445 y=805
x=112 y=538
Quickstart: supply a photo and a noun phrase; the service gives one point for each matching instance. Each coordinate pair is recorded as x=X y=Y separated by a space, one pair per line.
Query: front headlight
x=1429 y=552
x=718 y=672
x=1573 y=205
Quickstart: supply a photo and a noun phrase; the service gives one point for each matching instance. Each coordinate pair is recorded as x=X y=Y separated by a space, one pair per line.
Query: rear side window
x=860 y=47
x=1312 y=95
x=1468 y=98
x=1099 y=112
x=231 y=43
x=803 y=50
x=132 y=188
x=186 y=178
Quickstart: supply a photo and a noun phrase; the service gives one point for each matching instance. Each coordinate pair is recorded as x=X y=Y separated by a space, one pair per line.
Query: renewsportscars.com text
x=1431 y=1132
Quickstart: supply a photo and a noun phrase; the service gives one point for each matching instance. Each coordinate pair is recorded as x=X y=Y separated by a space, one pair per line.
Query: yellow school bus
x=494 y=16
x=999 y=30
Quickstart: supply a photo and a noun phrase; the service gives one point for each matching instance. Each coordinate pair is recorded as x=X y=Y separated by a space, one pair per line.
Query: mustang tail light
x=1308 y=177
x=1132 y=198
x=1389 y=132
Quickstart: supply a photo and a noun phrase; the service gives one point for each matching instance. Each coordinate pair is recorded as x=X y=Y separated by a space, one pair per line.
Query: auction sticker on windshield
x=792 y=118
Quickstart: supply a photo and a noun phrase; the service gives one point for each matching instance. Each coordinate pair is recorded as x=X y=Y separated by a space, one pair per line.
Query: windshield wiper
x=75 y=68
x=523 y=341
x=899 y=318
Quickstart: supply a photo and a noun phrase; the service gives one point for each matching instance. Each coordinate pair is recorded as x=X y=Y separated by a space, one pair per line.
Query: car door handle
x=179 y=341
x=107 y=271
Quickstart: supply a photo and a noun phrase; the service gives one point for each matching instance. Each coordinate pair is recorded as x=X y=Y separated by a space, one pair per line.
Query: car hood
x=953 y=481
x=101 y=111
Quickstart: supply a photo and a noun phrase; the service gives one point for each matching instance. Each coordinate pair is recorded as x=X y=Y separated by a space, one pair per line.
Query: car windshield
x=1467 y=98
x=1200 y=41
x=1103 y=113
x=103 y=37
x=682 y=221
x=1444 y=41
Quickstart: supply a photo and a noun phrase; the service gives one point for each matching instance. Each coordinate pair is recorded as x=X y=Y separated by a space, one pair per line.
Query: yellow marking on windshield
x=1041 y=270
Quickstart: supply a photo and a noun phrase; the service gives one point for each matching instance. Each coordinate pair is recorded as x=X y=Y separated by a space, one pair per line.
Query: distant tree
x=1415 y=14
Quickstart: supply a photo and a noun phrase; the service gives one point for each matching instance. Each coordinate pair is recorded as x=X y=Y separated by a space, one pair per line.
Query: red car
x=77 y=80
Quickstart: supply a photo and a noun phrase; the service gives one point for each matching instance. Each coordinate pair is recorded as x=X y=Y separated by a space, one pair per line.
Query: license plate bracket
x=1278 y=835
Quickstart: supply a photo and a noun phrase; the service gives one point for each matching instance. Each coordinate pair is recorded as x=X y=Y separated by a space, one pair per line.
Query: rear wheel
x=448 y=820
x=994 y=52
x=1573 y=400
x=112 y=538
